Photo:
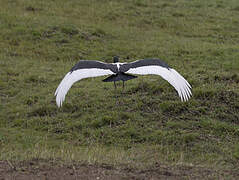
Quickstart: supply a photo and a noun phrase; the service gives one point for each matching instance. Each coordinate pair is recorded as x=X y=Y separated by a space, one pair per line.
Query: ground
x=141 y=131
x=39 y=169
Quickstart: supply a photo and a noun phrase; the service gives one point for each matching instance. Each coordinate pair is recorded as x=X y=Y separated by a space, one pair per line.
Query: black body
x=119 y=76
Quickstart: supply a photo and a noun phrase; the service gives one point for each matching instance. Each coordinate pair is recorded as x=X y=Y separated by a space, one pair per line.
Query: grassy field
x=144 y=124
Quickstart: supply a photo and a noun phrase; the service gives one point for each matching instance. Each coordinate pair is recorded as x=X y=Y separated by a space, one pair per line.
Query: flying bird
x=122 y=72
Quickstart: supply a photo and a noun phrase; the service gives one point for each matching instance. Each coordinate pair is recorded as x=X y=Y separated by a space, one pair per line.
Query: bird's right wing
x=158 y=67
x=83 y=69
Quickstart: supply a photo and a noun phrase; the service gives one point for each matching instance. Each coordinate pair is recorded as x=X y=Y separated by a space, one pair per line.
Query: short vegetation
x=144 y=124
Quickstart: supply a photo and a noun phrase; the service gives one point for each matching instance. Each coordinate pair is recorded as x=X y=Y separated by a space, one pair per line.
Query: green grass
x=41 y=40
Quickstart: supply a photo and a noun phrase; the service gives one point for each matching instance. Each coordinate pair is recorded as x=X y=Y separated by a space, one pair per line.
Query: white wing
x=172 y=76
x=72 y=77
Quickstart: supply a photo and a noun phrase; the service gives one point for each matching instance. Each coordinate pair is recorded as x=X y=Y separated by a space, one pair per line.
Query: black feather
x=119 y=76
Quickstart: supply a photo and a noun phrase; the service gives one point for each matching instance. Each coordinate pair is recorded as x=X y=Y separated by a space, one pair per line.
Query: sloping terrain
x=142 y=126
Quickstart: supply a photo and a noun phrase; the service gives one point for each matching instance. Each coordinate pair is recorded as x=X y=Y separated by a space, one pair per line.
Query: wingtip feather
x=183 y=85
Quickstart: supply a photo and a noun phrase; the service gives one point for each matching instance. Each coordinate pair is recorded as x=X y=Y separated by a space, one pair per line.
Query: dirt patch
x=40 y=169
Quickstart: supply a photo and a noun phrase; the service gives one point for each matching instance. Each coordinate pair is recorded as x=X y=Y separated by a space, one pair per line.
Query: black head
x=116 y=59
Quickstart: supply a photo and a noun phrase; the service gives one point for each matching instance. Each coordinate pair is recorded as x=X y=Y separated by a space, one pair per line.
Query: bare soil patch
x=41 y=169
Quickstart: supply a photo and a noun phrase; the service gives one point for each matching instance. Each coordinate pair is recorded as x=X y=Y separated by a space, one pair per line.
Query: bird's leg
x=123 y=85
x=116 y=102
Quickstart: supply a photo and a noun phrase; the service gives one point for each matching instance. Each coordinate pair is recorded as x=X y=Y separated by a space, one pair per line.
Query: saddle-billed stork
x=122 y=71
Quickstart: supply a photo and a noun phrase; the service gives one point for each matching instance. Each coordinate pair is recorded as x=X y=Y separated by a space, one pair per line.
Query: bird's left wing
x=158 y=67
x=83 y=69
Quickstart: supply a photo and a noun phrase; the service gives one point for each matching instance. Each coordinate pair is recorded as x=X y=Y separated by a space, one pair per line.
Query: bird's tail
x=119 y=77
